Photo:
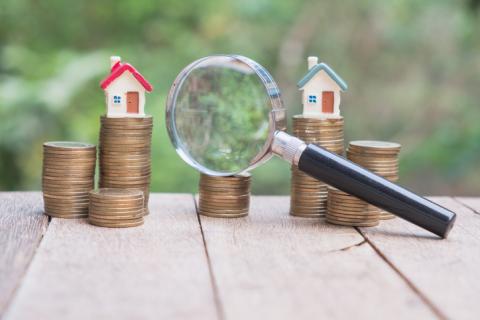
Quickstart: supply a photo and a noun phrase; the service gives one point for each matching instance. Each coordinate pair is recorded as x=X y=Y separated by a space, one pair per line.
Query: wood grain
x=270 y=265
x=155 y=271
x=22 y=225
x=445 y=271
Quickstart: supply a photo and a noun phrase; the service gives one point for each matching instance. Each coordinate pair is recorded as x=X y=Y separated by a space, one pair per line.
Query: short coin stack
x=308 y=195
x=67 y=178
x=224 y=197
x=381 y=157
x=345 y=209
x=116 y=208
x=125 y=145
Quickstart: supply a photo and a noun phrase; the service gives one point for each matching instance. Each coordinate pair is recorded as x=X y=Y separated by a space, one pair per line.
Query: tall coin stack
x=381 y=157
x=224 y=197
x=67 y=178
x=125 y=162
x=347 y=210
x=308 y=195
x=116 y=208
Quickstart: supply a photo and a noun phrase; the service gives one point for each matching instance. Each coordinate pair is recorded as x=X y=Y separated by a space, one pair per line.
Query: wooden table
x=267 y=266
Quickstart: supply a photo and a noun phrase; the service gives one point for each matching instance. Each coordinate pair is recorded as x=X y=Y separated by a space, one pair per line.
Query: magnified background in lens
x=221 y=114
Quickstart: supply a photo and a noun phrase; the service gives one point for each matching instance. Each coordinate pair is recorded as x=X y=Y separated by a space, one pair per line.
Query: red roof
x=118 y=69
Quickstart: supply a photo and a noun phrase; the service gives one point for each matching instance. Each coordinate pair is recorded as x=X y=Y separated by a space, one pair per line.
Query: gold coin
x=366 y=214
x=124 y=142
x=352 y=224
x=66 y=210
x=106 y=131
x=134 y=201
x=115 y=209
x=68 y=145
x=116 y=193
x=115 y=224
x=223 y=208
x=375 y=145
x=116 y=216
x=65 y=216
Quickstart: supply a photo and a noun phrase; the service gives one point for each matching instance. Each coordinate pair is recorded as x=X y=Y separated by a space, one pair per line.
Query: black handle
x=353 y=179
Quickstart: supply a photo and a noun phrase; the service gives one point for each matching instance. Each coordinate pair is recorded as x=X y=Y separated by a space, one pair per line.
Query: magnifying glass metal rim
x=277 y=114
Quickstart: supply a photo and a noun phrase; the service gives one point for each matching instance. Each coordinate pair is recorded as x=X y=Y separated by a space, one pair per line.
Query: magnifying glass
x=225 y=116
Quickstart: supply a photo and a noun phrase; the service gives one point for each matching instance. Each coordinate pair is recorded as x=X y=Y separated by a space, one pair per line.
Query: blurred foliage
x=412 y=67
x=222 y=117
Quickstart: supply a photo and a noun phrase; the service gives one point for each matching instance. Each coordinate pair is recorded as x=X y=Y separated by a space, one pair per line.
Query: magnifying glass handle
x=364 y=184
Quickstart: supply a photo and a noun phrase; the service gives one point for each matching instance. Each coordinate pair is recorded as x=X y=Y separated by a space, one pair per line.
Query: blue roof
x=317 y=68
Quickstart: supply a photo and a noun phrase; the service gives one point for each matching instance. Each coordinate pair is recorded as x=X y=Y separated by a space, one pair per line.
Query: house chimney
x=114 y=60
x=312 y=61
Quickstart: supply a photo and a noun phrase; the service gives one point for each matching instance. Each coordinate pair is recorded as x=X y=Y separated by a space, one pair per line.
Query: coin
x=308 y=195
x=380 y=157
x=68 y=145
x=374 y=145
x=347 y=223
x=225 y=197
x=67 y=177
x=125 y=153
x=116 y=208
x=66 y=216
x=106 y=224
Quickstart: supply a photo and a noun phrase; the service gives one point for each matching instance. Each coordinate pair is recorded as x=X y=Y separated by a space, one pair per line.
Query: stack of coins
x=224 y=197
x=308 y=195
x=345 y=209
x=116 y=208
x=381 y=157
x=67 y=178
x=125 y=160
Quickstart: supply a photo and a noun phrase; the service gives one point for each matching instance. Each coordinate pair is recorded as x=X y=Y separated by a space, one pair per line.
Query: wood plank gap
x=466 y=205
x=216 y=294
x=409 y=283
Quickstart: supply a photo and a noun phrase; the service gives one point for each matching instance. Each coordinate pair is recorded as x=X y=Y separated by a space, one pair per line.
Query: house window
x=312 y=99
x=117 y=99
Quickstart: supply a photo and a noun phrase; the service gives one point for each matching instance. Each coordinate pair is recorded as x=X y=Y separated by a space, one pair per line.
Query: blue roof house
x=321 y=88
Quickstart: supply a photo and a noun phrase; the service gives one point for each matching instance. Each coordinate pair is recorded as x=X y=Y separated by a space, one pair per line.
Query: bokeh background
x=413 y=69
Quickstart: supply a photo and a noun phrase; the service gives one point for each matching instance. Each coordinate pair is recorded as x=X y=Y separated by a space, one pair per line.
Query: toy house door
x=327 y=101
x=132 y=102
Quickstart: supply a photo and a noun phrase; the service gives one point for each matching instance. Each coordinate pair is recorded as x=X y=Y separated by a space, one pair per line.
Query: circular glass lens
x=219 y=114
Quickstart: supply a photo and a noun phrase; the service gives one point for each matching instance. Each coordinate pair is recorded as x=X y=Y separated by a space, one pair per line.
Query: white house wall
x=119 y=87
x=319 y=83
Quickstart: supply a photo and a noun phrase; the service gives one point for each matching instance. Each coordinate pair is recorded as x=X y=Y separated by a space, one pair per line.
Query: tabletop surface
x=268 y=265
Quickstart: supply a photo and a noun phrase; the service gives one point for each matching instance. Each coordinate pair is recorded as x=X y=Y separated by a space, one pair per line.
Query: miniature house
x=125 y=90
x=321 y=88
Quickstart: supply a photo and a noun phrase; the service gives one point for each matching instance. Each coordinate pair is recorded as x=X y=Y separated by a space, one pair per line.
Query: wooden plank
x=155 y=271
x=22 y=225
x=270 y=265
x=445 y=271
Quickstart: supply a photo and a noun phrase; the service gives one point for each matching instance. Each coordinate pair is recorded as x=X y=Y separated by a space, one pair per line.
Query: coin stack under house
x=116 y=208
x=308 y=195
x=381 y=157
x=67 y=178
x=125 y=161
x=224 y=197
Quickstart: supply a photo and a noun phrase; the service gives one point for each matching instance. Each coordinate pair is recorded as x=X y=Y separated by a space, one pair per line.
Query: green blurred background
x=413 y=69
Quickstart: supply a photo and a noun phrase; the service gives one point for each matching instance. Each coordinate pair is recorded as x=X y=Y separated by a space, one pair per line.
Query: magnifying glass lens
x=221 y=115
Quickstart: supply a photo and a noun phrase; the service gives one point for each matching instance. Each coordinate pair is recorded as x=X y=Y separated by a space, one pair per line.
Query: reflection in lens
x=222 y=115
